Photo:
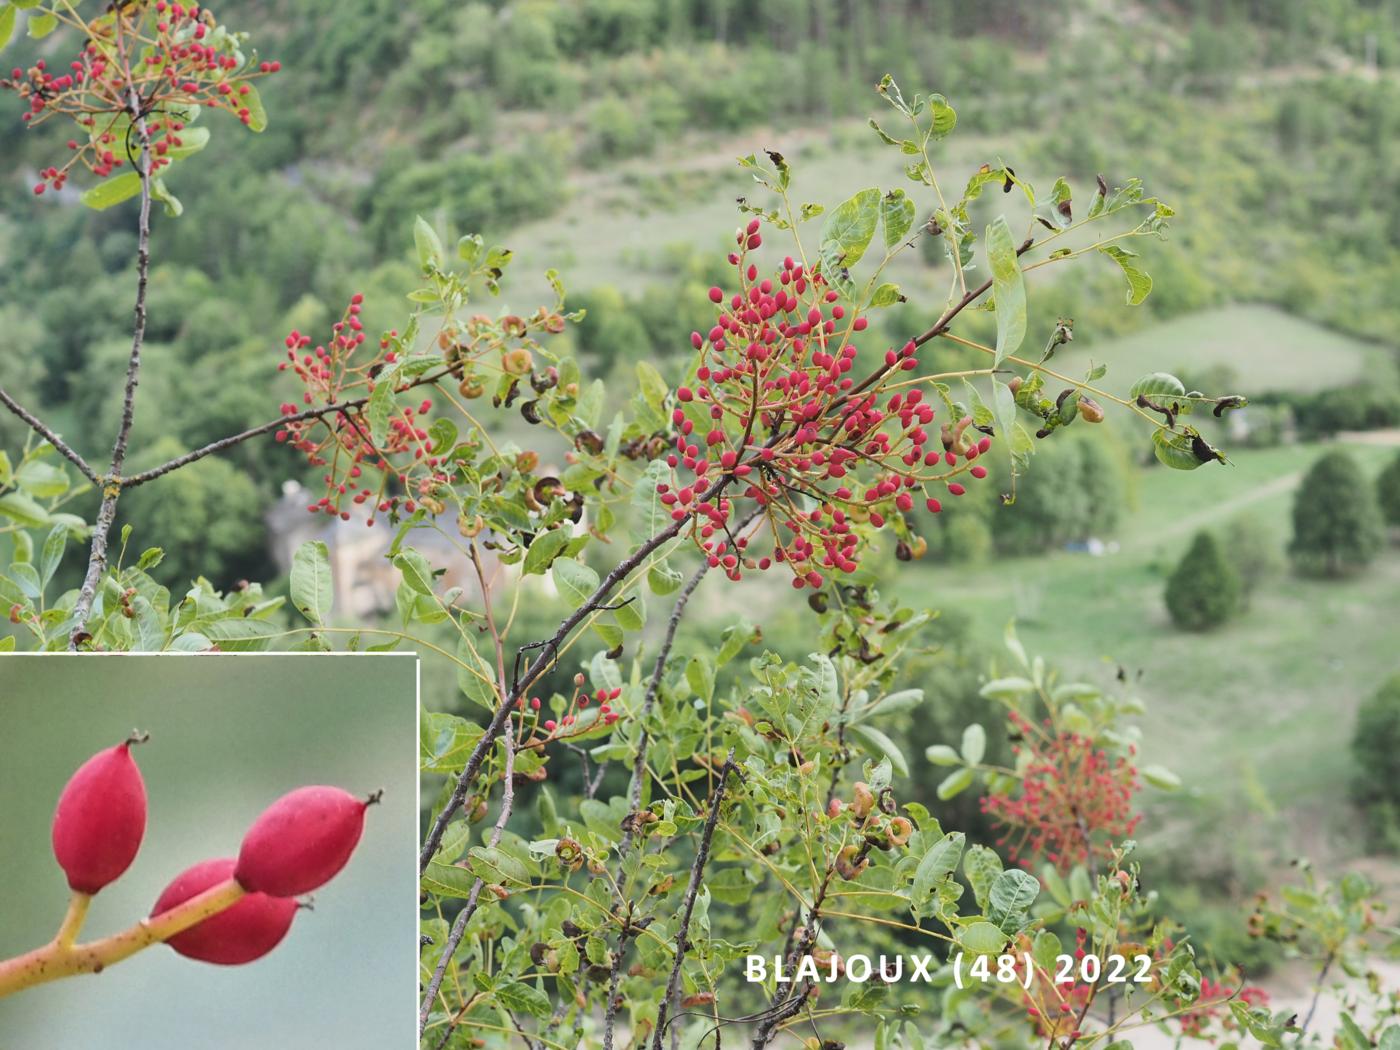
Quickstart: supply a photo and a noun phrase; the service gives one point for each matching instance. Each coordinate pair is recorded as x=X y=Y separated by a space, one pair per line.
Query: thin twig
x=40 y=428
x=1317 y=994
x=459 y=926
x=339 y=407
x=111 y=491
x=547 y=652
x=697 y=870
x=639 y=763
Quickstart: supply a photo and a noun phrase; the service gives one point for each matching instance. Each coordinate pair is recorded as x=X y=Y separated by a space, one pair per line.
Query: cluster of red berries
x=1063 y=1002
x=573 y=716
x=297 y=845
x=777 y=418
x=167 y=55
x=342 y=440
x=1214 y=994
x=1073 y=800
x=412 y=471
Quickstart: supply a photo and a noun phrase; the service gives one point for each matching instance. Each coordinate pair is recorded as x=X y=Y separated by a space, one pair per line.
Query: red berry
x=247 y=931
x=301 y=841
x=100 y=819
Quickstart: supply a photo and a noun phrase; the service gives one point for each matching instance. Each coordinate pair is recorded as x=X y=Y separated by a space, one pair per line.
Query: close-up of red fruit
x=247 y=931
x=100 y=818
x=301 y=841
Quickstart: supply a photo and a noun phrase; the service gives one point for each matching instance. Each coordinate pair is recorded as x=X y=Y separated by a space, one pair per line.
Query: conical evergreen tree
x=1337 y=524
x=1204 y=590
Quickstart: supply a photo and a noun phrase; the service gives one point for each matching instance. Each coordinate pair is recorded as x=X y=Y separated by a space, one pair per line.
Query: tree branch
x=639 y=763
x=459 y=926
x=111 y=491
x=548 y=650
x=40 y=428
x=264 y=428
x=697 y=870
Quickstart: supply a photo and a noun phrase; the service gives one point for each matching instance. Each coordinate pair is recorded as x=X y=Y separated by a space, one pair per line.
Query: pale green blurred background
x=229 y=734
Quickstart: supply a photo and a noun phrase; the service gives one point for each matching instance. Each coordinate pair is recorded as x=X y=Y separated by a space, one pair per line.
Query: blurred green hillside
x=598 y=136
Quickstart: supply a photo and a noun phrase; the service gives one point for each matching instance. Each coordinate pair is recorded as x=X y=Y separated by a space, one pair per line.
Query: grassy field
x=1274 y=350
x=1258 y=713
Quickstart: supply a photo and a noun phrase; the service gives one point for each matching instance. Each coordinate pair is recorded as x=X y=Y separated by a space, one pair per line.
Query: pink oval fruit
x=247 y=931
x=100 y=819
x=301 y=841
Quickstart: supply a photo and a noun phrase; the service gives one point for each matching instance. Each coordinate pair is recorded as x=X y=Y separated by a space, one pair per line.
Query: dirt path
x=1227 y=508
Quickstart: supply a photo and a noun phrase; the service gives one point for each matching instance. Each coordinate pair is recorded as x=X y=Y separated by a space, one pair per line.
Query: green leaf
x=7 y=24
x=429 y=246
x=943 y=117
x=886 y=295
x=981 y=866
x=252 y=101
x=1045 y=950
x=1390 y=1038
x=1161 y=777
x=522 y=998
x=42 y=25
x=22 y=510
x=982 y=938
x=574 y=580
x=113 y=191
x=879 y=745
x=631 y=616
x=700 y=675
x=896 y=216
x=937 y=864
x=1139 y=282
x=1012 y=892
x=544 y=550
x=448 y=880
x=663 y=579
x=649 y=514
x=974 y=744
x=379 y=409
x=848 y=230
x=496 y=866
x=942 y=755
x=41 y=480
x=192 y=140
x=652 y=386
x=311 y=587
x=1008 y=287
x=955 y=784
x=417 y=574
x=1157 y=385
x=1174 y=450
x=54 y=545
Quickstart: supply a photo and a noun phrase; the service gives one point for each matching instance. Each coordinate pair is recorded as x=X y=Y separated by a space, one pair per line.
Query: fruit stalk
x=61 y=957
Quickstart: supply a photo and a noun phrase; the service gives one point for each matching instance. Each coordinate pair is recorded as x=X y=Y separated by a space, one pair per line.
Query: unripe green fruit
x=249 y=930
x=301 y=841
x=100 y=819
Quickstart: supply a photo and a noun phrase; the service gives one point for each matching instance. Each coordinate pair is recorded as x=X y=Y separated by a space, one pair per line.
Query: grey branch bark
x=697 y=871
x=548 y=651
x=111 y=486
x=459 y=925
x=39 y=427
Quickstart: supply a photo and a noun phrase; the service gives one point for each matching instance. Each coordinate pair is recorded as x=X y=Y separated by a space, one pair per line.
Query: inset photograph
x=212 y=851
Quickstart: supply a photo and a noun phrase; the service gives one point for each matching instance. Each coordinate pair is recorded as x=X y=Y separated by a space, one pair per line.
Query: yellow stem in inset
x=73 y=921
x=61 y=957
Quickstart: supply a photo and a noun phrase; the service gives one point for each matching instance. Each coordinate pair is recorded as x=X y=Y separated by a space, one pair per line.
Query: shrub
x=1204 y=590
x=1388 y=492
x=1337 y=524
x=1375 y=748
